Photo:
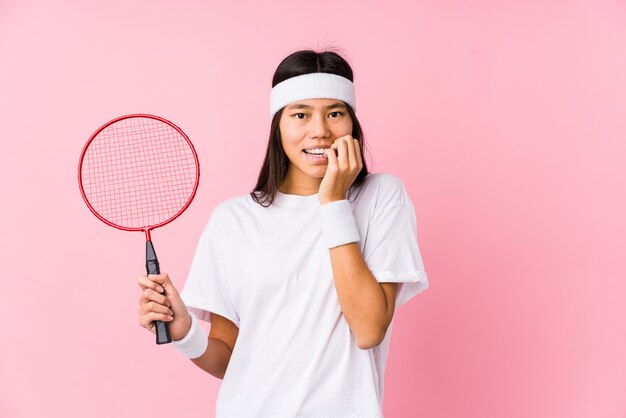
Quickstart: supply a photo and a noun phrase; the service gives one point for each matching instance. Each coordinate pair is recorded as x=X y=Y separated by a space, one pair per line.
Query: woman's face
x=312 y=124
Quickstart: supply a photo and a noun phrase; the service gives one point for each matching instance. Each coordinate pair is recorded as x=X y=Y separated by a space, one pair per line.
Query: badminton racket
x=137 y=173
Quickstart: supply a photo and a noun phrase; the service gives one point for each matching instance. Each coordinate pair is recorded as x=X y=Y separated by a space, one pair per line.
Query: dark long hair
x=276 y=163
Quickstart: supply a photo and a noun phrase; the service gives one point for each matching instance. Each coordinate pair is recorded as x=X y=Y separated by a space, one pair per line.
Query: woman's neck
x=300 y=185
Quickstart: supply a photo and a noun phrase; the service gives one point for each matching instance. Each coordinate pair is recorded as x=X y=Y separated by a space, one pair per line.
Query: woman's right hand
x=161 y=301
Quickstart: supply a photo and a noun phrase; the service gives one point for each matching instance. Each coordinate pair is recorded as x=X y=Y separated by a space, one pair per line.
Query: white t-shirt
x=266 y=270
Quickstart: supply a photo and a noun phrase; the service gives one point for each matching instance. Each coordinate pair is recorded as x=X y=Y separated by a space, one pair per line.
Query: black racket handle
x=152 y=267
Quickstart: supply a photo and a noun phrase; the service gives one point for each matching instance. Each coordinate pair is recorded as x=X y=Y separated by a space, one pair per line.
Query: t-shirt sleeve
x=391 y=250
x=209 y=288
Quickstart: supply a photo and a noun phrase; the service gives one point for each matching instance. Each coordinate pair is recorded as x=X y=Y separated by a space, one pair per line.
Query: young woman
x=299 y=278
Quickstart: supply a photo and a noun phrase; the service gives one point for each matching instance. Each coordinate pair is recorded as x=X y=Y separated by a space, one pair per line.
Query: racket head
x=138 y=172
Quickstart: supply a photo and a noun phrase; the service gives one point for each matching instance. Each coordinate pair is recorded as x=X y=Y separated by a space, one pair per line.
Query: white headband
x=312 y=86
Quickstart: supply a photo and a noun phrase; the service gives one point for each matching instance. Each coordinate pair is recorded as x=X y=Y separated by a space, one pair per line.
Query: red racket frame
x=148 y=228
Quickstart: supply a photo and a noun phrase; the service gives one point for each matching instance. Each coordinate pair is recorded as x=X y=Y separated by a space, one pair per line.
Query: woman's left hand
x=342 y=169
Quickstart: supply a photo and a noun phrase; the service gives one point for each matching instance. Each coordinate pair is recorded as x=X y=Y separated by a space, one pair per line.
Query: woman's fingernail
x=160 y=289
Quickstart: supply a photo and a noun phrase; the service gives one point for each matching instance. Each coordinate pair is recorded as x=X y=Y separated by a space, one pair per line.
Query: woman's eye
x=337 y=114
x=299 y=114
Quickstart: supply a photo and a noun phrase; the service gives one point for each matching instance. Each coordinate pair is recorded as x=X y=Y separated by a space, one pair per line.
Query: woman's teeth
x=316 y=151
x=316 y=155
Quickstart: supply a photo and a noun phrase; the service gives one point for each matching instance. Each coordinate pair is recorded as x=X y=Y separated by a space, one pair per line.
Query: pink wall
x=505 y=121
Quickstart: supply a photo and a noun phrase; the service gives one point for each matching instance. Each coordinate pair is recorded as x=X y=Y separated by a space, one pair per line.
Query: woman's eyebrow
x=305 y=106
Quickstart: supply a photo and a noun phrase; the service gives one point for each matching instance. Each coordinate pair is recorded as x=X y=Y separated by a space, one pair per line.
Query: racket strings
x=138 y=172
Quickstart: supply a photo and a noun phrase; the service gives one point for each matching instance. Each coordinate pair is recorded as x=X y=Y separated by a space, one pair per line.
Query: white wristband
x=194 y=344
x=338 y=224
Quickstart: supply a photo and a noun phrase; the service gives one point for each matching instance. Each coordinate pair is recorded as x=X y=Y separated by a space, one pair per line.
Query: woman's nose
x=318 y=127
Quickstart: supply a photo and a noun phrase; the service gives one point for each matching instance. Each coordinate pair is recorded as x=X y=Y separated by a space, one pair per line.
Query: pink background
x=505 y=120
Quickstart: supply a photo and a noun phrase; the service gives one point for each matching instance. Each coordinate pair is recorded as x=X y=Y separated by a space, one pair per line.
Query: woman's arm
x=367 y=305
x=215 y=359
x=222 y=339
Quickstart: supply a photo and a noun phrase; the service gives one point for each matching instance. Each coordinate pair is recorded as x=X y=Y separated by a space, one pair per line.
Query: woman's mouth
x=315 y=155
